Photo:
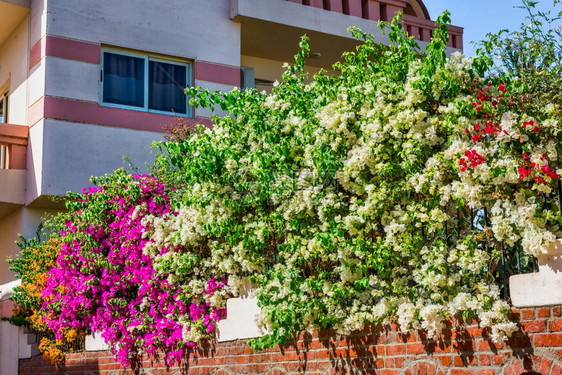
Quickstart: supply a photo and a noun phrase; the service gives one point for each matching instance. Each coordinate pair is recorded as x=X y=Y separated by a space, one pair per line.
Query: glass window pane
x=123 y=80
x=166 y=85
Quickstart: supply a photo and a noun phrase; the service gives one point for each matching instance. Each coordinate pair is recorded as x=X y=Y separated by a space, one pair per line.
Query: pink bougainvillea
x=104 y=283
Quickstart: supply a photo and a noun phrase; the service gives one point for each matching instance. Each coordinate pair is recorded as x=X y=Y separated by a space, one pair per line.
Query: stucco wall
x=13 y=72
x=24 y=221
x=183 y=28
x=64 y=155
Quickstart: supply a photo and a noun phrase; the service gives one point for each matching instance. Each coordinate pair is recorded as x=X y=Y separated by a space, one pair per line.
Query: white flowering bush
x=384 y=193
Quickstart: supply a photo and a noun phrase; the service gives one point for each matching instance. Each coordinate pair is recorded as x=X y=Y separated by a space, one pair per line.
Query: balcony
x=12 y=12
x=13 y=149
x=272 y=29
x=416 y=17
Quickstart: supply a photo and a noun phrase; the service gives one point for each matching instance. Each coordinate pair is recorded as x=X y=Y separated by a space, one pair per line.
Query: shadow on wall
x=463 y=348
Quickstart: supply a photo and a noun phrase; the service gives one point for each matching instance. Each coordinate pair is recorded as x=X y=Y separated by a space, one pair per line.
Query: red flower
x=474 y=157
x=462 y=164
x=523 y=172
x=549 y=172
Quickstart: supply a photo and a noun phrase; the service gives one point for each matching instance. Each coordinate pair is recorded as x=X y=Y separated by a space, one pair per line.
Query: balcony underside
x=12 y=12
x=12 y=190
x=272 y=30
x=280 y=42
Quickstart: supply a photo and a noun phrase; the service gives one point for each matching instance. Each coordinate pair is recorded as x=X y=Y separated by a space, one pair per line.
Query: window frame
x=4 y=104
x=147 y=57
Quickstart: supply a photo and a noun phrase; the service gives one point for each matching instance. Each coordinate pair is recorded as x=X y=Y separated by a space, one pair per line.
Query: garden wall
x=536 y=349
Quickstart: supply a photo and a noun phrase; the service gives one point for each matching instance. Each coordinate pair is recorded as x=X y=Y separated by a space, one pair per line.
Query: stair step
x=31 y=338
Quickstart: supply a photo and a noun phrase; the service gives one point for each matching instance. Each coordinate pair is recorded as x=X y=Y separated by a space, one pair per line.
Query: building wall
x=464 y=349
x=194 y=29
x=21 y=221
x=13 y=72
x=87 y=150
x=72 y=136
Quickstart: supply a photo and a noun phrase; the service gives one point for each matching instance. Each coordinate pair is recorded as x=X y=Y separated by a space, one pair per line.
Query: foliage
x=104 y=282
x=36 y=258
x=348 y=199
x=532 y=55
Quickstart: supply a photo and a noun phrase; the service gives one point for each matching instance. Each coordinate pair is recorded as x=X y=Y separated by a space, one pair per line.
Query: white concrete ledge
x=241 y=313
x=543 y=288
x=95 y=343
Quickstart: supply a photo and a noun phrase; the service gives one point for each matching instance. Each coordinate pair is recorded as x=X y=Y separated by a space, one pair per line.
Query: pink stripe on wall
x=72 y=49
x=90 y=52
x=206 y=71
x=64 y=48
x=93 y=113
x=36 y=53
x=35 y=112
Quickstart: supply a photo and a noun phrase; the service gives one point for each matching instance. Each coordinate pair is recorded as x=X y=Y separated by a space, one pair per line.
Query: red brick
x=556 y=311
x=515 y=313
x=291 y=356
x=458 y=362
x=395 y=349
x=556 y=370
x=555 y=325
x=531 y=326
x=380 y=349
x=517 y=367
x=399 y=362
x=543 y=312
x=385 y=338
x=527 y=313
x=486 y=372
x=487 y=345
x=430 y=369
x=389 y=363
x=412 y=337
x=474 y=332
x=415 y=348
x=322 y=354
x=484 y=360
x=388 y=372
x=548 y=339
x=446 y=361
x=545 y=365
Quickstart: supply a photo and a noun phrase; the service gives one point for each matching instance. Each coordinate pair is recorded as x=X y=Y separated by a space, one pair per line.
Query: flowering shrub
x=35 y=260
x=104 y=282
x=360 y=198
x=385 y=193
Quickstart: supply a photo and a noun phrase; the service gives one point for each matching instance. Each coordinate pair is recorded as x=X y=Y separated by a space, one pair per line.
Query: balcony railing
x=384 y=10
x=13 y=146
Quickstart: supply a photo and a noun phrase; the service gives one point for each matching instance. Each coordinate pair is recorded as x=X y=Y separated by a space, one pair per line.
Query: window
x=142 y=82
x=3 y=108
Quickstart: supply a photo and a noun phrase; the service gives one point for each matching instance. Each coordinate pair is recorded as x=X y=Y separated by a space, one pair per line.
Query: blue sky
x=479 y=17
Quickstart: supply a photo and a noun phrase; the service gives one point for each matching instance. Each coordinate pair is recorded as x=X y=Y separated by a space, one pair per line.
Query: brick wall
x=463 y=350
